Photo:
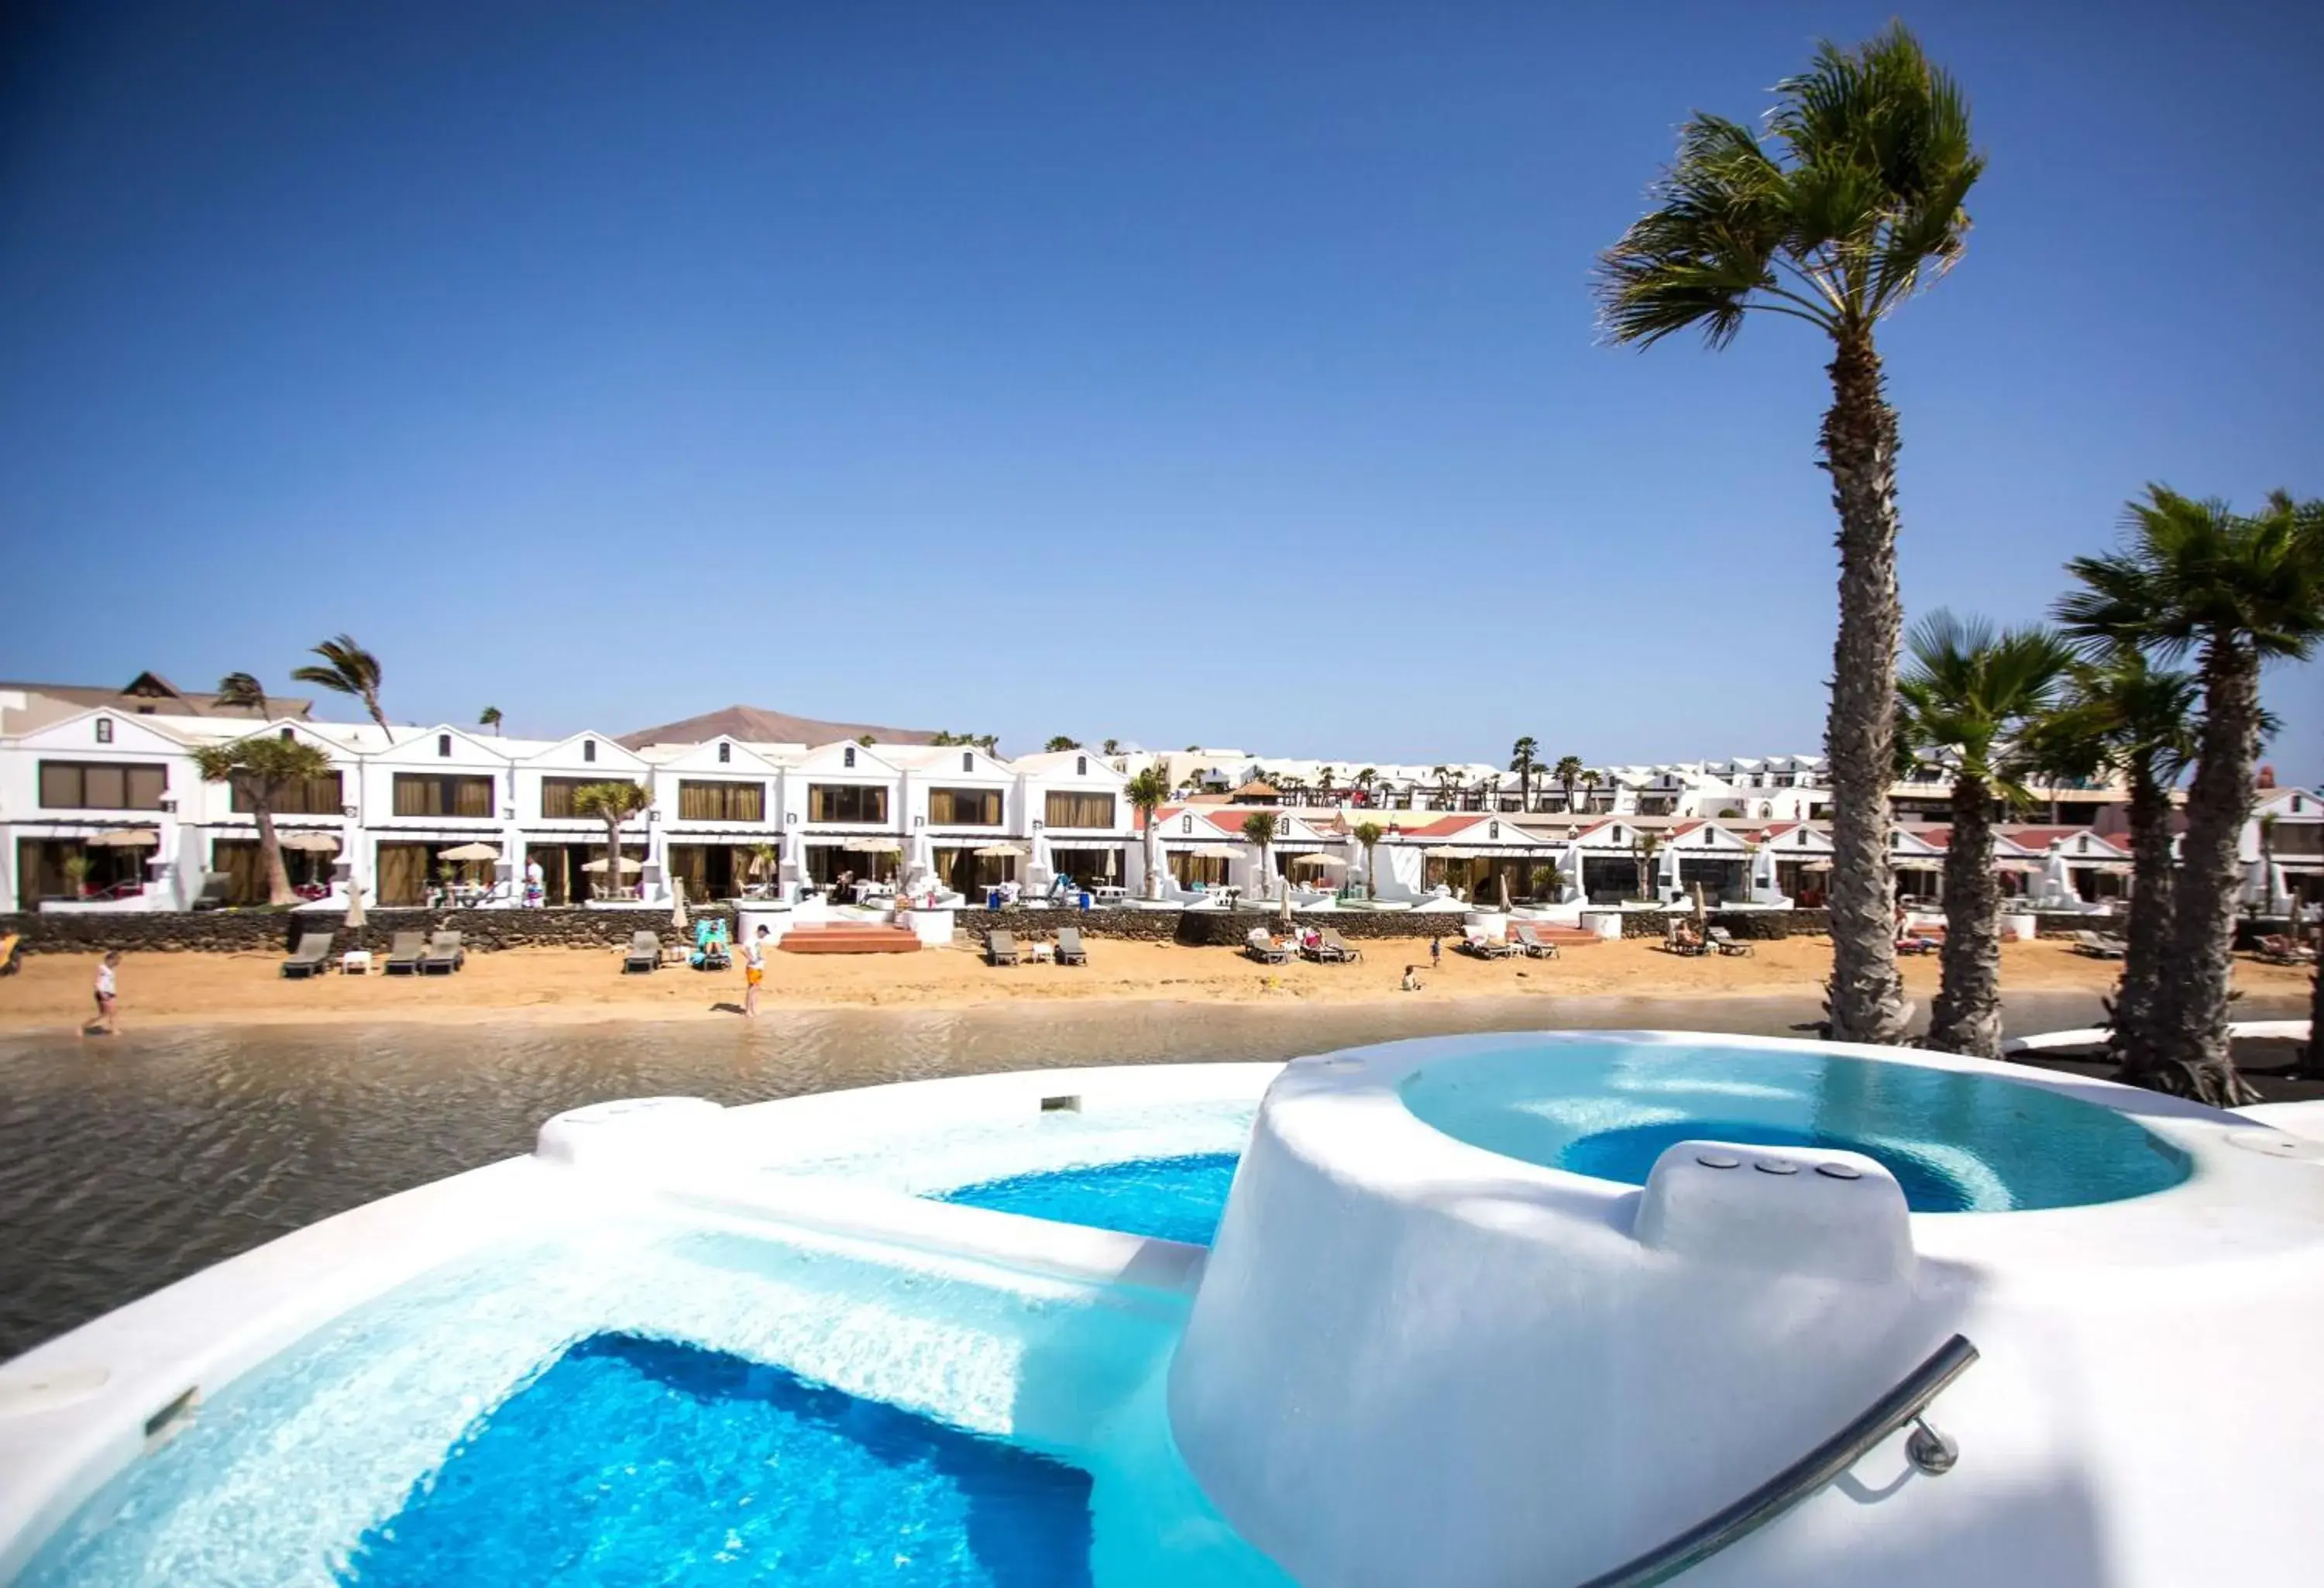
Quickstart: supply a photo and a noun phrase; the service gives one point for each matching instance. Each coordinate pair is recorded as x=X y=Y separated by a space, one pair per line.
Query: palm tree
x=1857 y=206
x=2238 y=591
x=1644 y=847
x=1260 y=826
x=1364 y=781
x=350 y=669
x=613 y=803
x=1110 y=747
x=1524 y=762
x=243 y=692
x=1446 y=784
x=1568 y=772
x=263 y=769
x=1968 y=696
x=2124 y=716
x=1148 y=792
x=1590 y=778
x=1367 y=836
x=1062 y=743
x=766 y=859
x=2267 y=863
x=489 y=717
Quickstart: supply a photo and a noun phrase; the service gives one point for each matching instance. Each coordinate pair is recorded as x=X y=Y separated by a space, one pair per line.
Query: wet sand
x=530 y=986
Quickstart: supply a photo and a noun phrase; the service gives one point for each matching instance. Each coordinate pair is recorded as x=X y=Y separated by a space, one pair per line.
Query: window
x=1081 y=766
x=845 y=803
x=316 y=796
x=848 y=758
x=557 y=795
x=725 y=753
x=968 y=764
x=588 y=749
x=964 y=807
x=426 y=794
x=105 y=730
x=722 y=802
x=443 y=743
x=1080 y=810
x=96 y=785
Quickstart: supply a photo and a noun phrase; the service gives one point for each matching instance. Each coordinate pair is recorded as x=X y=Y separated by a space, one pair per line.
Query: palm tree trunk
x=2193 y=1023
x=1967 y=1015
x=1153 y=883
x=1859 y=449
x=2136 y=1022
x=371 y=704
x=279 y=892
x=613 y=857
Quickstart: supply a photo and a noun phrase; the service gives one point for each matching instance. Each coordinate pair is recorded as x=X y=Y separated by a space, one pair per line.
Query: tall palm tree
x=243 y=692
x=1148 y=792
x=1367 y=836
x=1644 y=847
x=2237 y=591
x=1969 y=696
x=1590 y=778
x=2124 y=716
x=1568 y=772
x=1854 y=206
x=1524 y=760
x=1446 y=784
x=1261 y=828
x=489 y=717
x=263 y=769
x=612 y=802
x=1060 y=741
x=1365 y=780
x=2267 y=863
x=349 y=670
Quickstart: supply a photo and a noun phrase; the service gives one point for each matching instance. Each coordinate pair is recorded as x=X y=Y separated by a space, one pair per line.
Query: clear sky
x=1167 y=371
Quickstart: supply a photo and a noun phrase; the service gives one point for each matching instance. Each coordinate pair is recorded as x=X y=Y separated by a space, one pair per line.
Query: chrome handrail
x=1929 y=1450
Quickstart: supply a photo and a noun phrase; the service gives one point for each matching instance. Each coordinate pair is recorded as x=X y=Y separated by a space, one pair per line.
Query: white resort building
x=102 y=809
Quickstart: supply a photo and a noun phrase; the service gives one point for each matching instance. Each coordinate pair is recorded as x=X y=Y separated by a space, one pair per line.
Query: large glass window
x=557 y=794
x=964 y=807
x=314 y=796
x=427 y=794
x=722 y=802
x=847 y=802
x=1080 y=810
x=96 y=785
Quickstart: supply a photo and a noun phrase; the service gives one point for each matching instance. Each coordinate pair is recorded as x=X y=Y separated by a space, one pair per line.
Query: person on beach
x=1436 y=953
x=754 y=971
x=108 y=996
x=1411 y=978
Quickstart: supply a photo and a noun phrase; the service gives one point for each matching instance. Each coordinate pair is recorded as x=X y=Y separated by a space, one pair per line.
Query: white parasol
x=677 y=902
x=314 y=843
x=125 y=838
x=598 y=867
x=354 y=923
x=458 y=852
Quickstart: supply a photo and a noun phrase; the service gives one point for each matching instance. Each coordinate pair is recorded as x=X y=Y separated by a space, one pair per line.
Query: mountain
x=757 y=723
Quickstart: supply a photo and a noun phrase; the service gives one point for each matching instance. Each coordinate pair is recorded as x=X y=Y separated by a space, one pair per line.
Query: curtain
x=403 y=873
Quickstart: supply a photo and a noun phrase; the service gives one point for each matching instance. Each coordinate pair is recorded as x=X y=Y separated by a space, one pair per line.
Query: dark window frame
x=150 y=776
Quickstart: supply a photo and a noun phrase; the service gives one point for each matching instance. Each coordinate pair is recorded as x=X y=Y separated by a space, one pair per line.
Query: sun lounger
x=1475 y=940
x=1000 y=948
x=213 y=890
x=443 y=955
x=644 y=954
x=2099 y=946
x=404 y=954
x=1264 y=948
x=1332 y=949
x=1069 y=947
x=314 y=949
x=1725 y=942
x=2283 y=948
x=1530 y=941
x=1675 y=944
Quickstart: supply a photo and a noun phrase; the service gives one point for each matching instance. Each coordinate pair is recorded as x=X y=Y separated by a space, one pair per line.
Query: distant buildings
x=101 y=808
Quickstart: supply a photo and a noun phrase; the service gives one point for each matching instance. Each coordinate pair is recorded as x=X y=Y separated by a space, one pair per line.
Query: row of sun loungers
x=1001 y=948
x=1524 y=940
x=1714 y=940
x=411 y=954
x=1329 y=948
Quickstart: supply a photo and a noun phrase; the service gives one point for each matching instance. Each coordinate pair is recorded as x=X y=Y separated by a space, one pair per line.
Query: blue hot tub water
x=1179 y=1198
x=637 y=1460
x=1957 y=1142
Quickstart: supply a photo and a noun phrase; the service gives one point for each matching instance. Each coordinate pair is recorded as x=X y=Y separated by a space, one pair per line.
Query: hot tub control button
x=1839 y=1171
x=1775 y=1166
x=1718 y=1160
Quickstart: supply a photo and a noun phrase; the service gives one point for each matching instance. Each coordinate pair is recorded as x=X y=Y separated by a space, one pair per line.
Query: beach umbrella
x=126 y=838
x=1502 y=879
x=1698 y=906
x=1215 y=850
x=458 y=852
x=1283 y=912
x=354 y=920
x=875 y=846
x=677 y=902
x=598 y=867
x=998 y=850
x=1322 y=860
x=312 y=843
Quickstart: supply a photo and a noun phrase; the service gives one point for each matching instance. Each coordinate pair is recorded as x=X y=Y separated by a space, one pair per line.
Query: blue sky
x=1167 y=372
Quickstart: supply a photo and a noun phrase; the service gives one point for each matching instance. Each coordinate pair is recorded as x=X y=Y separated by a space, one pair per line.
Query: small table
x=1109 y=894
x=355 y=962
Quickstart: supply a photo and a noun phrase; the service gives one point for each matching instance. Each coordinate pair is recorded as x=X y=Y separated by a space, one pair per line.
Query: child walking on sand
x=108 y=996
x=754 y=971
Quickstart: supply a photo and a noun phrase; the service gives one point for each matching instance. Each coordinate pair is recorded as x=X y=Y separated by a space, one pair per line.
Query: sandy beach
x=564 y=984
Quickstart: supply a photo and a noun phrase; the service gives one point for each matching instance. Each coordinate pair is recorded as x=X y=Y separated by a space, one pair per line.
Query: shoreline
x=576 y=986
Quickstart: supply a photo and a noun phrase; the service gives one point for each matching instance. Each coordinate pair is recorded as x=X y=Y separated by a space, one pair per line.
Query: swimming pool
x=1956 y=1141
x=1179 y=1198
